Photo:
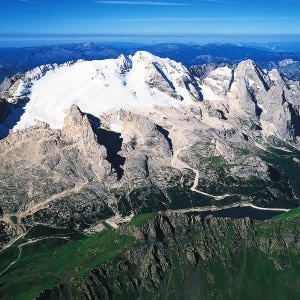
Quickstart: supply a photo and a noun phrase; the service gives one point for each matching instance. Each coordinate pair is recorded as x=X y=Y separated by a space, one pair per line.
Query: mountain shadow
x=112 y=141
x=10 y=115
x=165 y=133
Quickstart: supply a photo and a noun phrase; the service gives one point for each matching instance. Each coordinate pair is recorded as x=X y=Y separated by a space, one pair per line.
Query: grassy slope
x=50 y=262
x=290 y=214
x=142 y=219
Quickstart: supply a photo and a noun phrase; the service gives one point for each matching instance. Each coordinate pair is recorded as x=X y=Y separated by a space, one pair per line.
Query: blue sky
x=168 y=17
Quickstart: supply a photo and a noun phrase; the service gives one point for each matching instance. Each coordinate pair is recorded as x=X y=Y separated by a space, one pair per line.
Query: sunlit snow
x=99 y=86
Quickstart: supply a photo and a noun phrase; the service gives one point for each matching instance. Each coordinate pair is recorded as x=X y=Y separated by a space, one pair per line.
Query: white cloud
x=175 y=19
x=150 y=3
x=184 y=19
x=27 y=1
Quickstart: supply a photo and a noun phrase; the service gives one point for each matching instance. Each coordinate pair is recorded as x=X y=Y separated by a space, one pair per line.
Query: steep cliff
x=189 y=257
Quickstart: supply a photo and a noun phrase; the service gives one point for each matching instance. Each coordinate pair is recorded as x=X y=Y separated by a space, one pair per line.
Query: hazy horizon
x=186 y=17
x=29 y=40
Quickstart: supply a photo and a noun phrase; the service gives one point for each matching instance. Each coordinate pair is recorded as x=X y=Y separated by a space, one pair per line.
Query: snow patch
x=287 y=62
x=217 y=84
x=116 y=127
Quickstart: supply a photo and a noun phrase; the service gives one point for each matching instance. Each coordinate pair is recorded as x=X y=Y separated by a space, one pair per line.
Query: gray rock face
x=9 y=85
x=8 y=232
x=264 y=97
x=42 y=170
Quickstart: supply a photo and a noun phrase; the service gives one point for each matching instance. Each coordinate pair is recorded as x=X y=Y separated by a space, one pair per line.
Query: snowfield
x=100 y=86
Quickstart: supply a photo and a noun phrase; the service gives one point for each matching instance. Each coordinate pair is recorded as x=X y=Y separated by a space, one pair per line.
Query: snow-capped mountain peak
x=136 y=82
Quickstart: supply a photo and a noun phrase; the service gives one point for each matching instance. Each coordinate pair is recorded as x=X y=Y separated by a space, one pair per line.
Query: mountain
x=120 y=138
x=210 y=258
x=165 y=255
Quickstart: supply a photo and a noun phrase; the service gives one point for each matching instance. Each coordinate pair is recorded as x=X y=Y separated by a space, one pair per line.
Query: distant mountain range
x=14 y=60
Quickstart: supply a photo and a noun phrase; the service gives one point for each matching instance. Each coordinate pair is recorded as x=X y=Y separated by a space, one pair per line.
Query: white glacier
x=99 y=86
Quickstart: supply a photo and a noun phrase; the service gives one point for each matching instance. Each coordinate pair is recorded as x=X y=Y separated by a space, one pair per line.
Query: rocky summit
x=92 y=144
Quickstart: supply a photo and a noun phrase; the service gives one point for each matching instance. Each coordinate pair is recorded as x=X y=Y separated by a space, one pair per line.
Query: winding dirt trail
x=178 y=164
x=43 y=204
x=7 y=218
x=20 y=247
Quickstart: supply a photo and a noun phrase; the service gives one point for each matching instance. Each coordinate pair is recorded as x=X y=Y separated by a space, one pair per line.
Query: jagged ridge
x=210 y=258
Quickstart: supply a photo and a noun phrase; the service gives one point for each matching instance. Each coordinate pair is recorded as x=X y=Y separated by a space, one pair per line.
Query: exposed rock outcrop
x=210 y=257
